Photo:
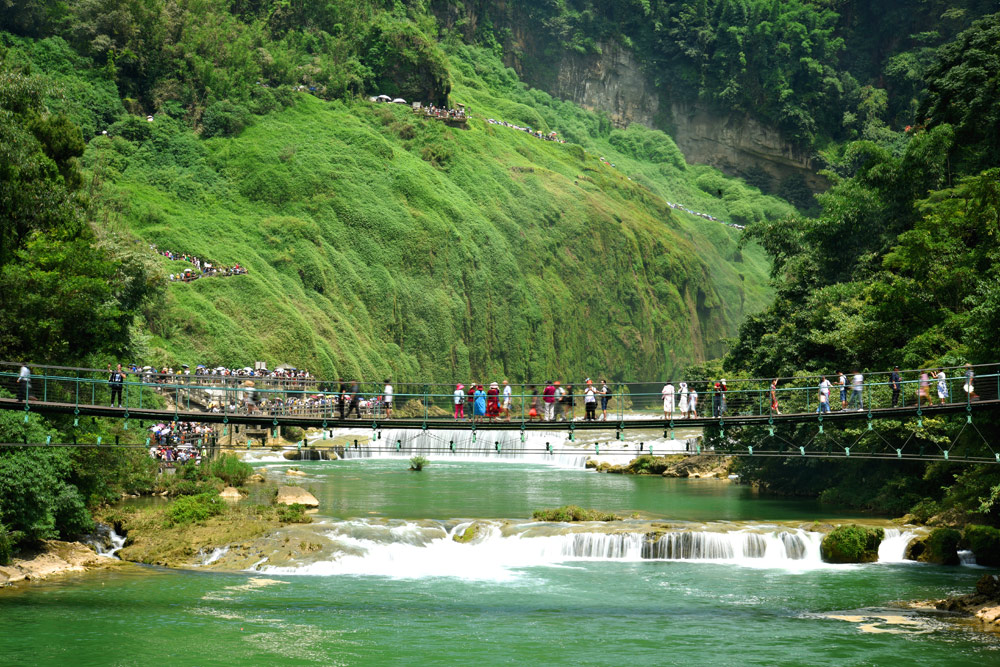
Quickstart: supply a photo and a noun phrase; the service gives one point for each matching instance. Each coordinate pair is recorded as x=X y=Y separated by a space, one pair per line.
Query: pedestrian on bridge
x=970 y=390
x=605 y=397
x=460 y=401
x=942 y=386
x=774 y=397
x=824 y=395
x=842 y=383
x=857 y=392
x=24 y=379
x=508 y=400
x=924 y=392
x=683 y=404
x=549 y=401
x=668 y=401
x=115 y=380
x=387 y=398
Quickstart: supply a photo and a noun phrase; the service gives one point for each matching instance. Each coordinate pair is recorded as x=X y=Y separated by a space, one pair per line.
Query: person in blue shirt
x=479 y=405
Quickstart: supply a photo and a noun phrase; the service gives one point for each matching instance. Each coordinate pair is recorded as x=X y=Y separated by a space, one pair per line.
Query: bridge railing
x=743 y=397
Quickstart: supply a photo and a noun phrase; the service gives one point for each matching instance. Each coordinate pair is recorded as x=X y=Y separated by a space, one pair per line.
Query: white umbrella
x=384 y=98
x=399 y=100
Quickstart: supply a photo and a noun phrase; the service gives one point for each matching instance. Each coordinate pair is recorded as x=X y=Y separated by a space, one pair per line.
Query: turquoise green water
x=428 y=606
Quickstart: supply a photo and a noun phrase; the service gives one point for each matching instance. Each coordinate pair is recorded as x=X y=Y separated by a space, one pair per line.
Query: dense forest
x=901 y=266
x=380 y=242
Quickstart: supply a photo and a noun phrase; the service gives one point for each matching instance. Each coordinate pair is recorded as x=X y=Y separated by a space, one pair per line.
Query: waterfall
x=105 y=541
x=893 y=546
x=966 y=558
x=402 y=549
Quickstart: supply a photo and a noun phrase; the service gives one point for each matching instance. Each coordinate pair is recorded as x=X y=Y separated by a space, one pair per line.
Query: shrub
x=984 y=542
x=852 y=544
x=294 y=513
x=224 y=119
x=648 y=465
x=941 y=547
x=231 y=470
x=418 y=463
x=570 y=513
x=294 y=433
x=194 y=509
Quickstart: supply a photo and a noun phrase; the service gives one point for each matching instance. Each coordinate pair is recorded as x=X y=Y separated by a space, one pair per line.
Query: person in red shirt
x=549 y=398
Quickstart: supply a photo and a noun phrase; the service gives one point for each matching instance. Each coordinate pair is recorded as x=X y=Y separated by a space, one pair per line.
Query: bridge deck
x=439 y=423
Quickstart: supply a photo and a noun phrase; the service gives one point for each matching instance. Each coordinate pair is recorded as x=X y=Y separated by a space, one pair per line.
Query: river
x=725 y=578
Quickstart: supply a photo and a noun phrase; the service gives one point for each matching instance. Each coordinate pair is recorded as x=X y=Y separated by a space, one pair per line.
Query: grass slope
x=381 y=243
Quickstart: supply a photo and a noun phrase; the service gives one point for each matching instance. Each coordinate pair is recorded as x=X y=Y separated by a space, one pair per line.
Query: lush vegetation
x=851 y=544
x=417 y=463
x=899 y=267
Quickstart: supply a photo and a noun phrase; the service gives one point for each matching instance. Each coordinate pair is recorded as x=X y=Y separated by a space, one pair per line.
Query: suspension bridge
x=872 y=425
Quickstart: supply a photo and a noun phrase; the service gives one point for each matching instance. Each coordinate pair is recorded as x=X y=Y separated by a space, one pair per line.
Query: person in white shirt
x=842 y=383
x=682 y=406
x=942 y=387
x=590 y=402
x=24 y=378
x=460 y=401
x=508 y=400
x=668 y=401
x=824 y=395
x=387 y=398
x=857 y=391
x=693 y=403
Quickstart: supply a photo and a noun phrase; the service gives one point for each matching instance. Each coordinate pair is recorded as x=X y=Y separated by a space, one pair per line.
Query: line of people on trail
x=556 y=402
x=202 y=267
x=545 y=136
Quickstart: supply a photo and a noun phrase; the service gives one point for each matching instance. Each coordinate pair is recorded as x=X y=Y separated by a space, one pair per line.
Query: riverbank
x=53 y=558
x=983 y=606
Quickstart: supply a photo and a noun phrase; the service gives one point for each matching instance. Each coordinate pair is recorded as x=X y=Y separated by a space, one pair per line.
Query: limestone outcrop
x=291 y=495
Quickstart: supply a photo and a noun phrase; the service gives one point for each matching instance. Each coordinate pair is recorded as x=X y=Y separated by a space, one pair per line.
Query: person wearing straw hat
x=682 y=405
x=250 y=396
x=459 y=395
x=493 y=401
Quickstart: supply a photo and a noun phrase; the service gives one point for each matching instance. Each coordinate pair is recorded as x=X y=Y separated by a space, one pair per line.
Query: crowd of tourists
x=178 y=442
x=444 y=113
x=555 y=401
x=202 y=267
x=538 y=134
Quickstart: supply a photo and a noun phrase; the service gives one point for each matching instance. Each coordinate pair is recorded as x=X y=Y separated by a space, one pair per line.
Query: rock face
x=613 y=81
x=290 y=495
x=56 y=557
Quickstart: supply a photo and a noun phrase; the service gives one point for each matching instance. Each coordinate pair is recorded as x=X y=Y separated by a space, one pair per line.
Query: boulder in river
x=940 y=547
x=290 y=495
x=230 y=493
x=256 y=478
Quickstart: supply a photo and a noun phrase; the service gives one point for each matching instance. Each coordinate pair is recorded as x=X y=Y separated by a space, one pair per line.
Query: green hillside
x=379 y=241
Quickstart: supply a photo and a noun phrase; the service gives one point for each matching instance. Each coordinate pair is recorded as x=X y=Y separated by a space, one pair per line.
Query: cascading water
x=496 y=550
x=105 y=541
x=893 y=546
x=966 y=558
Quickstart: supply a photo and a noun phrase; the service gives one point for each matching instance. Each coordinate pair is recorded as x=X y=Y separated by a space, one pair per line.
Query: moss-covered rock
x=570 y=513
x=471 y=532
x=941 y=547
x=852 y=544
x=984 y=542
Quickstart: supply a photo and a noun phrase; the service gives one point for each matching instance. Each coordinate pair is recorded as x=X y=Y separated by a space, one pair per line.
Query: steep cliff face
x=613 y=82
x=735 y=144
